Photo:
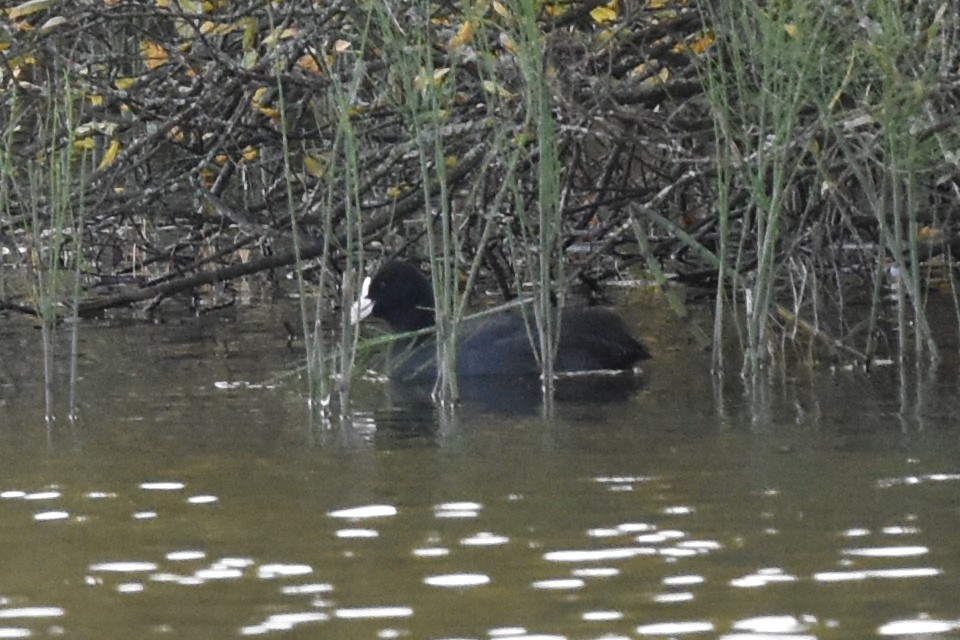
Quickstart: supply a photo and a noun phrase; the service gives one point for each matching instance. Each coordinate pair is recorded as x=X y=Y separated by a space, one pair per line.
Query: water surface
x=195 y=500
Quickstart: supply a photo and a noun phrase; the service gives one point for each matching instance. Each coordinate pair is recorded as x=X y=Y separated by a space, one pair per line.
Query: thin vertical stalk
x=423 y=91
x=76 y=224
x=346 y=144
x=548 y=263
x=765 y=72
x=294 y=227
x=50 y=222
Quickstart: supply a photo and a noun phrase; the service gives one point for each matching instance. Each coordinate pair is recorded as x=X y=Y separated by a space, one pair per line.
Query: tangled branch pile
x=172 y=145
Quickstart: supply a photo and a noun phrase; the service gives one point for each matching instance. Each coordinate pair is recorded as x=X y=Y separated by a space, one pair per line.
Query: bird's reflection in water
x=413 y=411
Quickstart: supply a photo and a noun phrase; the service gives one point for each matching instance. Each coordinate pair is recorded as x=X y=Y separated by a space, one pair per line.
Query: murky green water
x=179 y=509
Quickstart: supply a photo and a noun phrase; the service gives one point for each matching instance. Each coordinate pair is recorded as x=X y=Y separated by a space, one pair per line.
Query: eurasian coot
x=591 y=339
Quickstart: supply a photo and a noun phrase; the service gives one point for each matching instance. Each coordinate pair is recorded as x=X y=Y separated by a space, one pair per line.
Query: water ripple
x=917 y=627
x=762 y=578
x=47 y=516
x=905 y=551
x=773 y=625
x=162 y=486
x=593 y=555
x=283 y=622
x=357 y=533
x=361 y=613
x=601 y=615
x=31 y=612
x=484 y=539
x=457 y=580
x=559 y=583
x=279 y=570
x=130 y=566
x=904 y=572
x=675 y=628
x=366 y=511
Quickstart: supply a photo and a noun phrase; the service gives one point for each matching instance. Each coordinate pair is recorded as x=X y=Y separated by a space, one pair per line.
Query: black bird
x=591 y=339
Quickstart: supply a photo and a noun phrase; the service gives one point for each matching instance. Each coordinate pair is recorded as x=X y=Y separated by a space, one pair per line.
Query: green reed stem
x=424 y=90
x=548 y=264
x=314 y=377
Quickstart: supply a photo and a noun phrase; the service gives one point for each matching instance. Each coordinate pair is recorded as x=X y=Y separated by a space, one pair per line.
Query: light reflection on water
x=191 y=511
x=597 y=555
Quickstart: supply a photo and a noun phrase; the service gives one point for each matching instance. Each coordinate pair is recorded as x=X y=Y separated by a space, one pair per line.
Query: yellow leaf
x=492 y=87
x=308 y=62
x=658 y=77
x=791 y=30
x=450 y=161
x=110 y=155
x=507 y=43
x=604 y=13
x=220 y=159
x=501 y=10
x=463 y=35
x=153 y=54
x=124 y=83
x=18 y=65
x=555 y=10
x=95 y=100
x=83 y=144
x=314 y=165
x=421 y=82
x=276 y=36
x=257 y=103
x=207 y=177
x=394 y=192
x=656 y=4
x=28 y=8
x=191 y=6
x=702 y=43
x=341 y=45
x=250 y=153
